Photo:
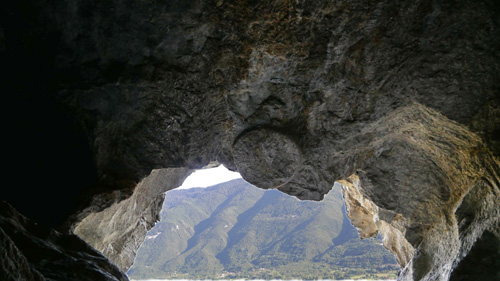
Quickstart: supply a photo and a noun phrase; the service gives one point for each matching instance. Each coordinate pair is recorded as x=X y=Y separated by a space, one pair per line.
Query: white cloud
x=209 y=177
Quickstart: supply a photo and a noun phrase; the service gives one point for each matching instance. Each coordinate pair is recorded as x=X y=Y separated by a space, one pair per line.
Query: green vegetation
x=234 y=230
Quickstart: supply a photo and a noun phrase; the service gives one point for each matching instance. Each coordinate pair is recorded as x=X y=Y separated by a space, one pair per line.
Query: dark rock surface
x=35 y=252
x=399 y=99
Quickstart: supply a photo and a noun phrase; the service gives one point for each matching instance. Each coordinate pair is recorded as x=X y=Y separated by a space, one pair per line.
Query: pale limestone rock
x=364 y=215
x=119 y=230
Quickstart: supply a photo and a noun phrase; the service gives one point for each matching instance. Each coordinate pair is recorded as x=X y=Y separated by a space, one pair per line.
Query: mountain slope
x=237 y=230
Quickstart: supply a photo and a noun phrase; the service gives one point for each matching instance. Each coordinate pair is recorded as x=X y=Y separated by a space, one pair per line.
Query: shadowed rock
x=35 y=252
x=399 y=100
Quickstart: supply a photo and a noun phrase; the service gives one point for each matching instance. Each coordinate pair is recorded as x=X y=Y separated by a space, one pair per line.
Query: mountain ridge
x=235 y=230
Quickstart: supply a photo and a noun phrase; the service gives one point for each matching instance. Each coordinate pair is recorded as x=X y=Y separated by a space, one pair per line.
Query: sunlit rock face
x=119 y=230
x=439 y=168
x=397 y=101
x=364 y=215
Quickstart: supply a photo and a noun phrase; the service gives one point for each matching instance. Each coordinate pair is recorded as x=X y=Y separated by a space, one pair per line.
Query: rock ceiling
x=109 y=104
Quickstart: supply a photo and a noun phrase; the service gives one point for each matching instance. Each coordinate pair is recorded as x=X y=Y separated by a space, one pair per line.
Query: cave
x=397 y=101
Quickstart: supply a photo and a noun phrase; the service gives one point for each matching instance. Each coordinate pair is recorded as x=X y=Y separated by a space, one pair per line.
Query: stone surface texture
x=120 y=229
x=35 y=252
x=396 y=100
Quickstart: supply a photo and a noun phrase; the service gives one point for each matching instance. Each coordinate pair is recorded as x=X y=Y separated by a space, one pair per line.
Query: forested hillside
x=235 y=230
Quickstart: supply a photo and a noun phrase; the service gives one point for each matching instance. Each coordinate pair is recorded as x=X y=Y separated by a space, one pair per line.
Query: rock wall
x=35 y=252
x=437 y=167
x=119 y=230
x=399 y=101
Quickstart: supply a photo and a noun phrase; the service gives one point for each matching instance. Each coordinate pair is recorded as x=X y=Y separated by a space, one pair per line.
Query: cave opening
x=482 y=262
x=218 y=226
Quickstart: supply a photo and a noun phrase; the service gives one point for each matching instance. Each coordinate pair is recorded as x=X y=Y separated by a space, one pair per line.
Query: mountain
x=235 y=230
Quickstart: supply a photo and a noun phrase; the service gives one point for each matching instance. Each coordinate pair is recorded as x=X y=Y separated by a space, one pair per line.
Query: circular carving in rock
x=266 y=158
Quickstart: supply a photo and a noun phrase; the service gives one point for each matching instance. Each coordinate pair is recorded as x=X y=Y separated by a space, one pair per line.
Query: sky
x=209 y=177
